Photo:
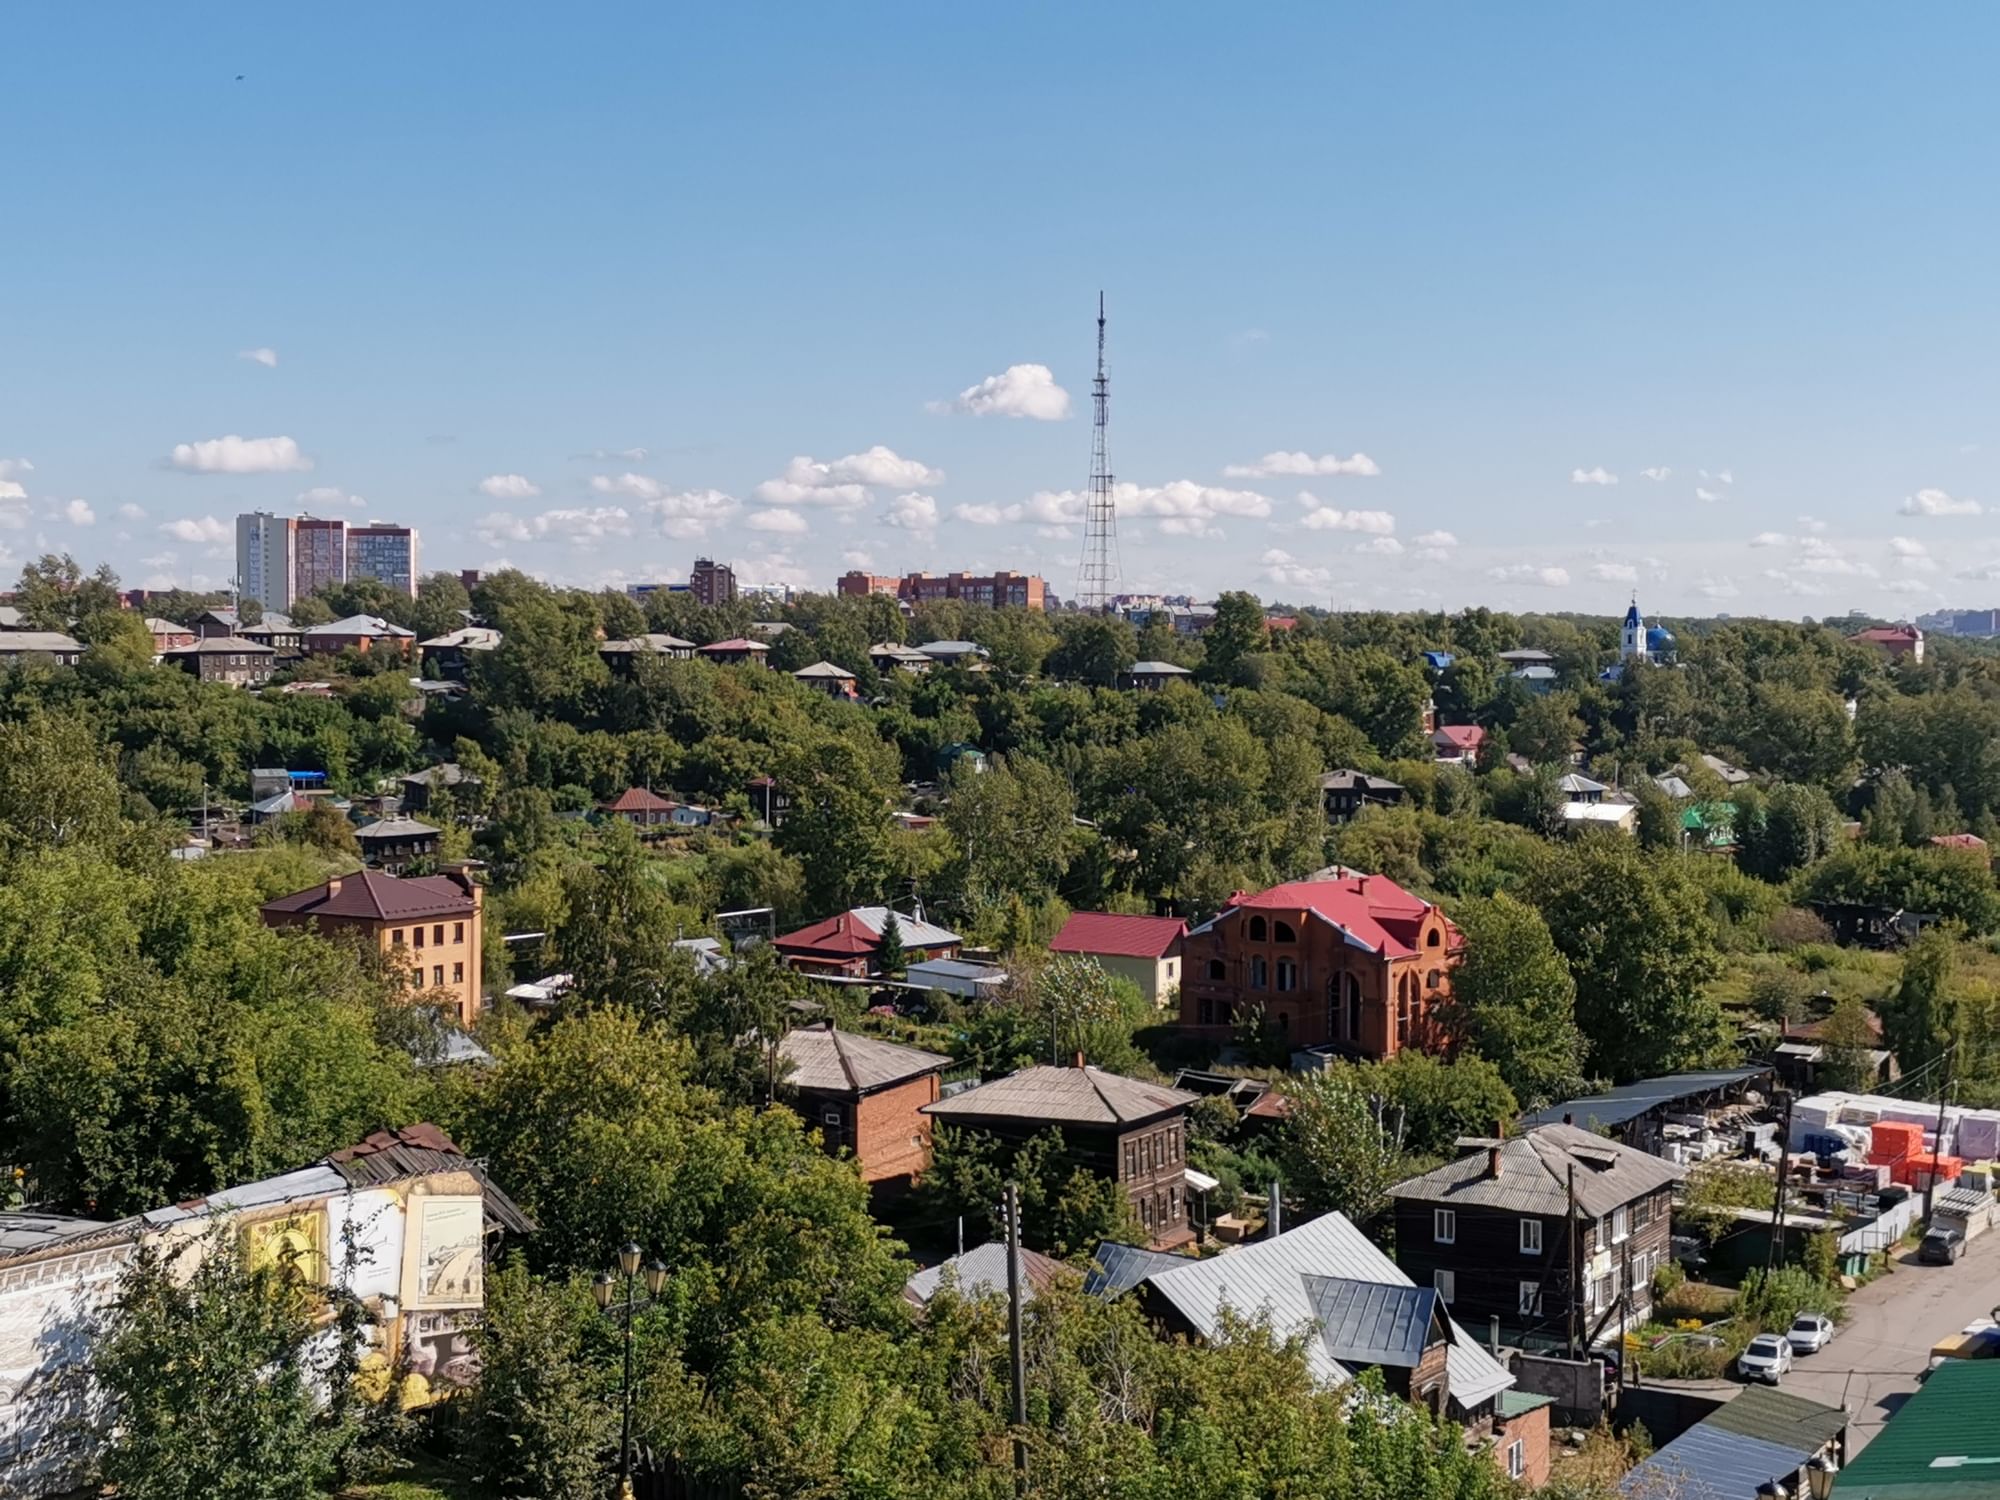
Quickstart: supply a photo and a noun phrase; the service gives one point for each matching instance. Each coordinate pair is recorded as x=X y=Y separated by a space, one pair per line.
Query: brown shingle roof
x=839 y=1062
x=638 y=799
x=1534 y=1175
x=377 y=897
x=1063 y=1096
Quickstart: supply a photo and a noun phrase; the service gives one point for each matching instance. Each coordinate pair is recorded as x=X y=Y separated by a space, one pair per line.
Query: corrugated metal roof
x=31 y=1231
x=1117 y=935
x=1943 y=1441
x=1629 y=1101
x=1269 y=1277
x=839 y=1062
x=1711 y=1463
x=1116 y=1268
x=1779 y=1417
x=1062 y=1096
x=318 y=1181
x=1534 y=1175
x=982 y=1272
x=1365 y=1323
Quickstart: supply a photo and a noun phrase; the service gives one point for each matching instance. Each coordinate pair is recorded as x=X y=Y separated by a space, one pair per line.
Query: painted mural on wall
x=439 y=1353
x=450 y=1253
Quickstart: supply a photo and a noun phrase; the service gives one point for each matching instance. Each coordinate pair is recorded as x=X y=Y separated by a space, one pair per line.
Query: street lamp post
x=603 y=1289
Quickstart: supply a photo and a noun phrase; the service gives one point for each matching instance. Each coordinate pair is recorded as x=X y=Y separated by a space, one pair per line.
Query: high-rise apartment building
x=319 y=554
x=382 y=551
x=712 y=583
x=1021 y=590
x=265 y=559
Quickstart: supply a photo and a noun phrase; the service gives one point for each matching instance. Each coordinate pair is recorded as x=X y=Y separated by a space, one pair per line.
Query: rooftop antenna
x=1097 y=580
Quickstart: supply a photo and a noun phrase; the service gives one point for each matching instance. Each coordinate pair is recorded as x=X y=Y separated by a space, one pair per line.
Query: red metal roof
x=1371 y=909
x=738 y=644
x=1886 y=633
x=378 y=897
x=1958 y=841
x=1465 y=736
x=1118 y=936
x=638 y=799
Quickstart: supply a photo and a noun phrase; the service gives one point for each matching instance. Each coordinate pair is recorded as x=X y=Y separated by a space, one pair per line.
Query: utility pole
x=1775 y=1257
x=1944 y=1093
x=1575 y=1291
x=1097 y=579
x=1014 y=1339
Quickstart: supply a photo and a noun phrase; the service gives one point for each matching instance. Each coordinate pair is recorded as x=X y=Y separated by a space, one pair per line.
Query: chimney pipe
x=1493 y=1161
x=1276 y=1216
x=1079 y=1059
x=333 y=886
x=1569 y=1119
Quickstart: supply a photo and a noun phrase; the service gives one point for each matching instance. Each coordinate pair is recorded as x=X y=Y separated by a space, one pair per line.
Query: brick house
x=168 y=636
x=1133 y=1133
x=1145 y=950
x=1352 y=961
x=431 y=924
x=866 y=1096
x=225 y=658
x=851 y=943
x=1491 y=1231
x=1893 y=641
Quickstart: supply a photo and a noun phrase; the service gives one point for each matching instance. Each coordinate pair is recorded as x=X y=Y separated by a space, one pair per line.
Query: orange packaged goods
x=1893 y=1140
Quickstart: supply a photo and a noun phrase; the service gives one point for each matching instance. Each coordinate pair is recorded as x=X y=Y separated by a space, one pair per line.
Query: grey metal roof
x=17 y=642
x=982 y=1272
x=1534 y=1175
x=1631 y=1100
x=1348 y=780
x=1156 y=669
x=222 y=645
x=471 y=638
x=1779 y=1417
x=825 y=670
x=1063 y=1096
x=1116 y=1268
x=1710 y=1462
x=839 y=1062
x=656 y=642
x=33 y=1231
x=954 y=968
x=362 y=625
x=936 y=649
x=1365 y=1323
x=1269 y=1277
x=394 y=828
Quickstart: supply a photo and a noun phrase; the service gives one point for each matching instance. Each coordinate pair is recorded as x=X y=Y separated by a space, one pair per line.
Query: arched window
x=1257 y=929
x=1282 y=931
x=1431 y=938
x=1350 y=1008
x=1217 y=969
x=1434 y=979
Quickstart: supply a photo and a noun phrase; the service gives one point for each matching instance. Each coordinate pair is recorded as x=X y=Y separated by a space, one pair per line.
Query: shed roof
x=1115 y=935
x=1779 y=1417
x=1631 y=1100
x=1116 y=1268
x=468 y=638
x=1062 y=1096
x=736 y=646
x=1535 y=1170
x=21 y=1232
x=1712 y=1463
x=1270 y=1276
x=1365 y=1323
x=1943 y=1441
x=652 y=642
x=840 y=1062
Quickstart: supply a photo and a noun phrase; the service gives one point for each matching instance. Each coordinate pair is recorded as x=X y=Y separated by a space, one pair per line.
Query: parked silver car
x=1809 y=1333
x=1767 y=1357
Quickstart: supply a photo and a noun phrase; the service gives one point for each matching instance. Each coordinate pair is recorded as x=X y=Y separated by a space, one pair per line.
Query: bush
x=1774 y=1298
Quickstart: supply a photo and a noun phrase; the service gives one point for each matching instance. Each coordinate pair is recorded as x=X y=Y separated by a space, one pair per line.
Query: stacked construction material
x=1894 y=1142
x=1926 y=1169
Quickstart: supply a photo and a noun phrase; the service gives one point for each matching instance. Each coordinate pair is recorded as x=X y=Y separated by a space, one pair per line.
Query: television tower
x=1097 y=580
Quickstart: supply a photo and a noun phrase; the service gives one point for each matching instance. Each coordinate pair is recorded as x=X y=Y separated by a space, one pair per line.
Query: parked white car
x=1809 y=1333
x=1767 y=1358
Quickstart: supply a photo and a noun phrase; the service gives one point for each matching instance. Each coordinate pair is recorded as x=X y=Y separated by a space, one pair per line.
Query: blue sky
x=1492 y=254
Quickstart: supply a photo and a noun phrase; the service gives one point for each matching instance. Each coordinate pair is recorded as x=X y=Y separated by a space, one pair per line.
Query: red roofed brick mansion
x=1354 y=961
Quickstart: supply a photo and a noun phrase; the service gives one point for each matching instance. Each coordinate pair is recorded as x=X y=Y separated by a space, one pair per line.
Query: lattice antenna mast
x=1098 y=578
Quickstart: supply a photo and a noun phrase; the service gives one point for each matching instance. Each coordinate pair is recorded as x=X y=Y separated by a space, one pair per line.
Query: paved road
x=1871 y=1367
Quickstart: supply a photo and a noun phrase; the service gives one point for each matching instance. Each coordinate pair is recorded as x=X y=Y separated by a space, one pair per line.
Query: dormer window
x=1432 y=938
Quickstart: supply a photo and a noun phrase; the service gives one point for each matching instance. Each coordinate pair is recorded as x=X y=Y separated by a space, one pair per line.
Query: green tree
x=1237 y=632
x=1437 y=1101
x=1092 y=649
x=54 y=592
x=1546 y=728
x=1066 y=1208
x=1778 y=995
x=1513 y=999
x=1848 y=1039
x=838 y=827
x=1921 y=1020
x=889 y=956
x=205 y=1371
x=1334 y=1151
x=1641 y=947
x=1782 y=831
x=1013 y=825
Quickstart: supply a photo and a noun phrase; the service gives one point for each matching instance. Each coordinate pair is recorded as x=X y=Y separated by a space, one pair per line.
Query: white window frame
x=1446 y=1285
x=1517 y=1459
x=1528 y=1299
x=1621 y=1226
x=1531 y=1236
x=1444 y=1226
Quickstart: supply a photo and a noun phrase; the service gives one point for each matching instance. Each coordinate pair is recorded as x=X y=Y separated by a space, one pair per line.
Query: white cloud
x=1607 y=572
x=1937 y=503
x=11 y=468
x=1437 y=540
x=1181 y=499
x=326 y=496
x=912 y=512
x=9 y=490
x=1711 y=586
x=845 y=482
x=1548 y=578
x=1289 y=572
x=1812 y=523
x=1018 y=391
x=268 y=358
x=605 y=455
x=1709 y=496
x=1769 y=539
x=197 y=529
x=79 y=513
x=1380 y=546
x=239 y=455
x=1187 y=526
x=129 y=512
x=1273 y=464
x=687 y=514
x=854 y=557
x=1835 y=566
x=1326 y=518
x=1904 y=546
x=789 y=522
x=1657 y=473
x=1906 y=586
x=578 y=526
x=1720 y=476
x=979 y=515
x=509 y=487
x=1794 y=586
x=1598 y=475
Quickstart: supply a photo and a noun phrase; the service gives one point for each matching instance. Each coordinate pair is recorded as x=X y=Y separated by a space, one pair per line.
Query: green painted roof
x=1514 y=1403
x=1776 y=1417
x=1943 y=1441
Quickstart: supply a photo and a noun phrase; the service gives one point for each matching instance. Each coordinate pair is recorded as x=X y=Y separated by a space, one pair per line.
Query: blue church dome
x=1659 y=638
